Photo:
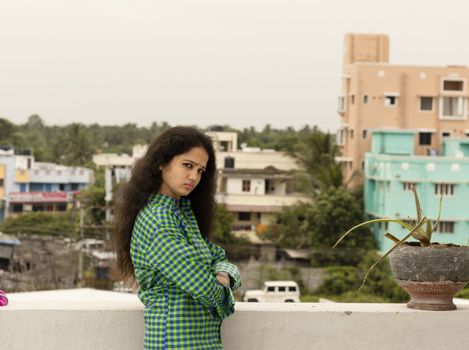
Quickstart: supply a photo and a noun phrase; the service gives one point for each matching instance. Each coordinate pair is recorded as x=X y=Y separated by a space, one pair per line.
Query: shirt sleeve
x=221 y=264
x=178 y=261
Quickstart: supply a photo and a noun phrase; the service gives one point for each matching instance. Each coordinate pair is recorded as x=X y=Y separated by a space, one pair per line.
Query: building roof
x=254 y=208
x=39 y=197
x=298 y=253
x=9 y=239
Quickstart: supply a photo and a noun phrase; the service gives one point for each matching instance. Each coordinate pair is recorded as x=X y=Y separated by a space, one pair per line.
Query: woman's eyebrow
x=195 y=163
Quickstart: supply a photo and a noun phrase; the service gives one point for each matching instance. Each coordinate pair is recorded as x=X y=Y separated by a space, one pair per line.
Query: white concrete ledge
x=101 y=325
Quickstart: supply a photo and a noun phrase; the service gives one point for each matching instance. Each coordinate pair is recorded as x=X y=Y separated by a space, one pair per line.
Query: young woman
x=163 y=220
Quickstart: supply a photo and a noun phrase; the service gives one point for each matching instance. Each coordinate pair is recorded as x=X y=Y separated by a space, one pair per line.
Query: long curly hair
x=146 y=179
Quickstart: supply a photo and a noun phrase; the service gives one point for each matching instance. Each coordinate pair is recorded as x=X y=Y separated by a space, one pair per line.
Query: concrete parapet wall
x=102 y=325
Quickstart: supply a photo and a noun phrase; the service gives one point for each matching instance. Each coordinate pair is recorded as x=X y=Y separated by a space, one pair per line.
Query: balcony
x=265 y=200
x=101 y=322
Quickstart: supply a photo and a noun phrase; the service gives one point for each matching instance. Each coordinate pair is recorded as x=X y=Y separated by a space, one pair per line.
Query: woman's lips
x=189 y=186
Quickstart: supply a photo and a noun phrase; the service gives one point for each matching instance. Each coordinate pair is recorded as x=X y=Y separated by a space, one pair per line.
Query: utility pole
x=80 y=253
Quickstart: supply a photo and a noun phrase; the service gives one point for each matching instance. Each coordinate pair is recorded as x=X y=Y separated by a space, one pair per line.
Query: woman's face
x=183 y=172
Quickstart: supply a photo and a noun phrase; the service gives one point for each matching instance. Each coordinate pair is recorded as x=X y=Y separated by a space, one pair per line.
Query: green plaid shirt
x=176 y=268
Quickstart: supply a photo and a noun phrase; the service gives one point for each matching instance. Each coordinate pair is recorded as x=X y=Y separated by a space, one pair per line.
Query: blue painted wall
x=386 y=196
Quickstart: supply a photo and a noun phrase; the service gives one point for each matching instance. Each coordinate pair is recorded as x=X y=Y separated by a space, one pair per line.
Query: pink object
x=3 y=298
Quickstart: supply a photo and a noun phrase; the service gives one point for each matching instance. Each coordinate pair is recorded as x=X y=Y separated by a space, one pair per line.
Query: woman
x=163 y=219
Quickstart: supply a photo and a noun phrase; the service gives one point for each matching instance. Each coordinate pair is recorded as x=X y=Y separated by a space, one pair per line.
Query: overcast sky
x=242 y=63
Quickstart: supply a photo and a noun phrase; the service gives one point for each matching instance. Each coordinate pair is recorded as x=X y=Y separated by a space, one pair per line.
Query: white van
x=275 y=291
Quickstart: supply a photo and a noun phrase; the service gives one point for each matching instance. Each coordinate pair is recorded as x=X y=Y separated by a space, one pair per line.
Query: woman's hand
x=223 y=279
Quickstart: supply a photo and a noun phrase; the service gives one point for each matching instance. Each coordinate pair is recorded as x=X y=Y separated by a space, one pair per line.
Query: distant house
x=27 y=185
x=254 y=184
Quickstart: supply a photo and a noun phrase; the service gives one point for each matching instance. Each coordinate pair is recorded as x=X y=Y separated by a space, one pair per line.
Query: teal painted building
x=391 y=168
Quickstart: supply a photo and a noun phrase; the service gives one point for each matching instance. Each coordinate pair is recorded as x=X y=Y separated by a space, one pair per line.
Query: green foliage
x=341 y=283
x=290 y=230
x=94 y=206
x=380 y=281
x=334 y=210
x=316 y=153
x=40 y=223
x=463 y=293
x=222 y=224
x=339 y=279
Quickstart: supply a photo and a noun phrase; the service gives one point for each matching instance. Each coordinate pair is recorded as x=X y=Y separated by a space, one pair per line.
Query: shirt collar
x=167 y=201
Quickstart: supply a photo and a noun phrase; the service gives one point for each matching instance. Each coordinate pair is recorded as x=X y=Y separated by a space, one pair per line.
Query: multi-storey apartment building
x=35 y=186
x=392 y=167
x=432 y=101
x=255 y=184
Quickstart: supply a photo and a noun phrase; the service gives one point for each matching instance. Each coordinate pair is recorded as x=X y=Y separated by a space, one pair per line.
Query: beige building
x=433 y=101
x=254 y=184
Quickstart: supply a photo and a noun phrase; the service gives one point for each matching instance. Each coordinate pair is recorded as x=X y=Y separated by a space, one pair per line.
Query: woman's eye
x=188 y=165
x=201 y=171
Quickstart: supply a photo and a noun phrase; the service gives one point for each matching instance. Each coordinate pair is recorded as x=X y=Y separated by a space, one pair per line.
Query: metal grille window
x=246 y=185
x=446 y=227
x=244 y=216
x=445 y=189
x=426 y=103
x=425 y=138
x=407 y=186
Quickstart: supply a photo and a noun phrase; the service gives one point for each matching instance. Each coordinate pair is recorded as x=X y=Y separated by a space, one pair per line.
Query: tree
x=289 y=230
x=315 y=152
x=334 y=211
x=78 y=148
x=222 y=223
x=7 y=130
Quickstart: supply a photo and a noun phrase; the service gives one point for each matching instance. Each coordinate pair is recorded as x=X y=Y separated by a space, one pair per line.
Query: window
x=74 y=187
x=229 y=162
x=426 y=104
x=1 y=182
x=425 y=138
x=340 y=137
x=365 y=99
x=445 y=134
x=352 y=99
x=282 y=289
x=341 y=104
x=453 y=107
x=17 y=208
x=351 y=133
x=445 y=227
x=61 y=207
x=364 y=133
x=446 y=189
x=292 y=289
x=61 y=187
x=271 y=289
x=390 y=100
x=407 y=186
x=453 y=85
x=246 y=186
x=244 y=216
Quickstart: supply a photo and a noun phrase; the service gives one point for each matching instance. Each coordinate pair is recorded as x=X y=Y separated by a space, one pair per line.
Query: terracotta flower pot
x=431 y=275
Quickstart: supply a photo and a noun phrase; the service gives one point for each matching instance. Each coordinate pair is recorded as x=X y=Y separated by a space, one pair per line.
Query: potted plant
x=431 y=273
